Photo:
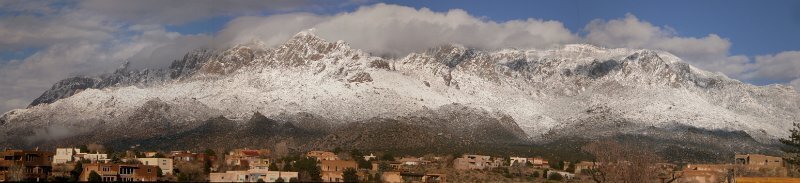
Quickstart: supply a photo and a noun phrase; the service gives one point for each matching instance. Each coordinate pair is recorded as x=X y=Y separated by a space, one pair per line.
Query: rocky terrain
x=321 y=94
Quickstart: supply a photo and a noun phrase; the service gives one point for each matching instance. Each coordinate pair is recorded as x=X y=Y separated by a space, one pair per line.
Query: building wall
x=33 y=164
x=114 y=172
x=469 y=162
x=519 y=160
x=252 y=176
x=96 y=157
x=391 y=177
x=64 y=155
x=164 y=163
x=322 y=155
x=332 y=169
x=759 y=160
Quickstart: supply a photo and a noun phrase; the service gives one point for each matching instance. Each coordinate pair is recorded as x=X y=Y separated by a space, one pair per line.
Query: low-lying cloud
x=399 y=30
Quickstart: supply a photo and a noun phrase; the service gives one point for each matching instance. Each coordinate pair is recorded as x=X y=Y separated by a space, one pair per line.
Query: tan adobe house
x=19 y=165
x=322 y=155
x=332 y=170
x=120 y=172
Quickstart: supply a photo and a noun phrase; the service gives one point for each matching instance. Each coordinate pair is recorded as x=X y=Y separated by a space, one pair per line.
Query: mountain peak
x=306 y=35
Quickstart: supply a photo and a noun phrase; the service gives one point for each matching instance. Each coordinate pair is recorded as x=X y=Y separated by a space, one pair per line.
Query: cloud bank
x=399 y=30
x=93 y=37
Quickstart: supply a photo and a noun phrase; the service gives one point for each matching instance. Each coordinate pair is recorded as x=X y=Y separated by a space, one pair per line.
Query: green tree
x=377 y=177
x=559 y=165
x=356 y=154
x=571 y=167
x=273 y=167
x=279 y=180
x=544 y=173
x=159 y=172
x=383 y=166
x=75 y=174
x=159 y=155
x=94 y=177
x=287 y=166
x=387 y=157
x=535 y=174
x=261 y=180
x=555 y=176
x=210 y=152
x=792 y=146
x=350 y=175
x=364 y=164
x=84 y=149
x=308 y=166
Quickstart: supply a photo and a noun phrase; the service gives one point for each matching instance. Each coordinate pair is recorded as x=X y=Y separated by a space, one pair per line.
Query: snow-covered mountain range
x=575 y=90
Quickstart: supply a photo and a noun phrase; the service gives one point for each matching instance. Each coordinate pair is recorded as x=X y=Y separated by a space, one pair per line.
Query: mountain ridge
x=544 y=92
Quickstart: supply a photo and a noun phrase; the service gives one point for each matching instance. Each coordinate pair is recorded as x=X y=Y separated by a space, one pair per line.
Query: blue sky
x=45 y=41
x=754 y=27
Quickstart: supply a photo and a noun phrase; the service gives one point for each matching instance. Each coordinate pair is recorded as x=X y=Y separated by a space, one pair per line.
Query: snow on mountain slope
x=544 y=91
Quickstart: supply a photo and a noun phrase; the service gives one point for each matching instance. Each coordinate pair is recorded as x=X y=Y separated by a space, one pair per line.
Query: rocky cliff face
x=532 y=95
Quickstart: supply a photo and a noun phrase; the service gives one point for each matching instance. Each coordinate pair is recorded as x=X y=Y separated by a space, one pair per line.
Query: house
x=187 y=156
x=702 y=176
x=519 y=161
x=229 y=176
x=150 y=154
x=18 y=165
x=252 y=159
x=332 y=170
x=120 y=172
x=391 y=177
x=759 y=160
x=539 y=162
x=64 y=155
x=164 y=163
x=565 y=175
x=97 y=157
x=399 y=177
x=583 y=166
x=252 y=176
x=470 y=162
x=322 y=155
x=412 y=161
x=184 y=156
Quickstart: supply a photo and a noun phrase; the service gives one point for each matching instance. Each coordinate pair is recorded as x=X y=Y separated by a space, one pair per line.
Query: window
x=106 y=168
x=148 y=170
x=125 y=170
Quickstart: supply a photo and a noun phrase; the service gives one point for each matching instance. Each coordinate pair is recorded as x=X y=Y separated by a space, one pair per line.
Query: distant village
x=93 y=163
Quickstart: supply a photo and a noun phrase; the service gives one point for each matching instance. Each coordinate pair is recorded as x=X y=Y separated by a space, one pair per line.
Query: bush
x=94 y=177
x=555 y=176
x=535 y=174
x=350 y=175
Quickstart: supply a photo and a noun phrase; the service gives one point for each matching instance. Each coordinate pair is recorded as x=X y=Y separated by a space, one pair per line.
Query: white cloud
x=630 y=32
x=23 y=31
x=795 y=83
x=182 y=11
x=781 y=67
x=399 y=30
